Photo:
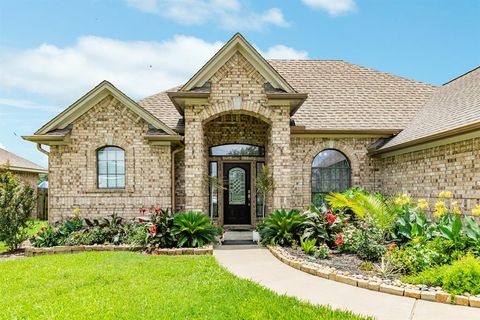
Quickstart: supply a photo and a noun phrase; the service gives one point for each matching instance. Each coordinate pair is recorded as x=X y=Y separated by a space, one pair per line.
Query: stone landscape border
x=344 y=277
x=33 y=251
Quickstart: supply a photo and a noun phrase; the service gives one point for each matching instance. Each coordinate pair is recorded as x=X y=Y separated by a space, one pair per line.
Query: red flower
x=331 y=217
x=158 y=209
x=141 y=220
x=339 y=240
x=329 y=211
x=153 y=229
x=143 y=210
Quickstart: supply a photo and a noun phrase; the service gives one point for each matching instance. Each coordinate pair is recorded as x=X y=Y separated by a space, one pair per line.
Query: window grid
x=213 y=189
x=331 y=175
x=111 y=168
x=259 y=197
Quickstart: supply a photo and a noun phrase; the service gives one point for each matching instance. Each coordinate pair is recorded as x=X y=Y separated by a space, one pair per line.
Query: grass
x=35 y=227
x=124 y=285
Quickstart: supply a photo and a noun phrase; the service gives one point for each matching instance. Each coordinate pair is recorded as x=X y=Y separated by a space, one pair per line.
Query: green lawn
x=35 y=227
x=123 y=285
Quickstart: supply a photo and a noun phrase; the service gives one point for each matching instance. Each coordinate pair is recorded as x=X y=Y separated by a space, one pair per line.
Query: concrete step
x=238 y=235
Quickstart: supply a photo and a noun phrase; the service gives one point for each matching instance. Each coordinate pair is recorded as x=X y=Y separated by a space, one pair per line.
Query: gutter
x=39 y=148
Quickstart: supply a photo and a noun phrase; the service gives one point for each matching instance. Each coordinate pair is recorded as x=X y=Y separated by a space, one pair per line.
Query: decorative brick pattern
x=424 y=174
x=73 y=170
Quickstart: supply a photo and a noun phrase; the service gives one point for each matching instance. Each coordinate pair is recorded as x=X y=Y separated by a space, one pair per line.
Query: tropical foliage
x=282 y=227
x=155 y=228
x=193 y=229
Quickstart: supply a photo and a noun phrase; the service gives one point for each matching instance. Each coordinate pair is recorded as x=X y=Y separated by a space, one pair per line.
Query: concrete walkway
x=261 y=266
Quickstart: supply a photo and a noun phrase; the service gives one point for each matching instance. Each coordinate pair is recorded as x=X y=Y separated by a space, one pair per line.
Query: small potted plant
x=257 y=238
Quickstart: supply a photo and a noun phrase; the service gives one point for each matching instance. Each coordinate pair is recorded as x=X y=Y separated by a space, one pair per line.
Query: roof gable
x=90 y=99
x=238 y=43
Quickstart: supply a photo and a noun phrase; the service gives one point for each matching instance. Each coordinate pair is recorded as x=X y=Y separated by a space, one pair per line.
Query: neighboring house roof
x=17 y=163
x=452 y=109
x=341 y=96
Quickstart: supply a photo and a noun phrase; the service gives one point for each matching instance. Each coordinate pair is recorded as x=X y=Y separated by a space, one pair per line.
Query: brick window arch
x=110 y=168
x=331 y=172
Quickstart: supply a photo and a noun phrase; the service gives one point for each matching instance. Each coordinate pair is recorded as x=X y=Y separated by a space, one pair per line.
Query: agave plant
x=193 y=229
x=282 y=227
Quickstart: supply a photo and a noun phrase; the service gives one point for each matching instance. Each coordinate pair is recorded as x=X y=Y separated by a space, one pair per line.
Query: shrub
x=349 y=237
x=136 y=234
x=461 y=276
x=193 y=229
x=368 y=244
x=308 y=245
x=16 y=206
x=411 y=260
x=322 y=252
x=282 y=227
x=367 y=266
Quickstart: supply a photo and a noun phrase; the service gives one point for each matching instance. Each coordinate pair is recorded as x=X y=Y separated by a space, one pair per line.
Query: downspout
x=173 y=176
x=39 y=148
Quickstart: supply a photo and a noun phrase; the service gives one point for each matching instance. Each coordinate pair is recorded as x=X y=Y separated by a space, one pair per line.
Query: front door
x=236 y=195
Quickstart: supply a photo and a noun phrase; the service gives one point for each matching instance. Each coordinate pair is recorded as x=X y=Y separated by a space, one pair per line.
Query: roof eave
x=430 y=138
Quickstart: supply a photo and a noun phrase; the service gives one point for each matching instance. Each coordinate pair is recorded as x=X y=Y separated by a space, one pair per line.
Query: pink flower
x=339 y=240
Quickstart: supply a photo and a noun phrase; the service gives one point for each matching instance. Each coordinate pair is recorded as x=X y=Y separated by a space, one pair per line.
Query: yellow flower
x=422 y=204
x=445 y=194
x=76 y=211
x=456 y=209
x=476 y=210
x=402 y=200
x=439 y=209
x=416 y=240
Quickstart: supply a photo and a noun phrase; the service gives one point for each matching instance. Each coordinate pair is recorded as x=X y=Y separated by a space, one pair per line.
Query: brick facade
x=225 y=119
x=73 y=168
x=453 y=167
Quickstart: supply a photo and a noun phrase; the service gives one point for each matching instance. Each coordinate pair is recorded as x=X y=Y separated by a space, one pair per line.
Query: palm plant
x=365 y=206
x=193 y=229
x=264 y=184
x=282 y=227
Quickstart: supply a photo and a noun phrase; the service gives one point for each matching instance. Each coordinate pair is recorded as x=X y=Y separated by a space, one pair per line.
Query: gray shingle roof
x=454 y=105
x=341 y=96
x=18 y=163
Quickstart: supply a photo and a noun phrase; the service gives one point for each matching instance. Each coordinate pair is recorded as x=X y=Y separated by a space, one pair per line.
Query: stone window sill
x=106 y=190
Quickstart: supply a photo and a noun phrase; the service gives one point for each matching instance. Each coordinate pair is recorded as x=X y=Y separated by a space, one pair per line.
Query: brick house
x=318 y=125
x=26 y=171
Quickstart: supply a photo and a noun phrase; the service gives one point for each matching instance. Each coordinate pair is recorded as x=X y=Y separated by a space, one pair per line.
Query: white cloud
x=333 y=7
x=26 y=104
x=284 y=52
x=229 y=14
x=2 y=146
x=136 y=67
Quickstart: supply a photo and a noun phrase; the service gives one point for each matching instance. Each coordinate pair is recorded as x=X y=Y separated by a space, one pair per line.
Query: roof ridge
x=461 y=76
x=32 y=164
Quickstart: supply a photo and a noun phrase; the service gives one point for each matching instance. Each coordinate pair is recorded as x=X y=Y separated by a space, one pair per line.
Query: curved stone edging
x=33 y=251
x=336 y=275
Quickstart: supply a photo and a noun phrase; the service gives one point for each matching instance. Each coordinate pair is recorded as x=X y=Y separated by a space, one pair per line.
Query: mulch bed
x=341 y=261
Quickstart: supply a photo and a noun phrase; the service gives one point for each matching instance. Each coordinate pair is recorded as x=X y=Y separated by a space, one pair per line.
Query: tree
x=264 y=184
x=16 y=205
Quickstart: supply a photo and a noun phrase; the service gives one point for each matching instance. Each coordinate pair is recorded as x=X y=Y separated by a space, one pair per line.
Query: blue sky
x=52 y=52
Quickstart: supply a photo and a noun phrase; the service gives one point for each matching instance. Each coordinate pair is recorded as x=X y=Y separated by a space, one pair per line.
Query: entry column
x=195 y=161
x=279 y=157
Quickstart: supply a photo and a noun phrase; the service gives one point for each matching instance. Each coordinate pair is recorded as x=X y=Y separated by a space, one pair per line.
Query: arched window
x=111 y=168
x=330 y=173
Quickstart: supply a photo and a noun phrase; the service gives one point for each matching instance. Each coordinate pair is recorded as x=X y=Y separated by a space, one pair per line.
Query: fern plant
x=282 y=227
x=193 y=229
